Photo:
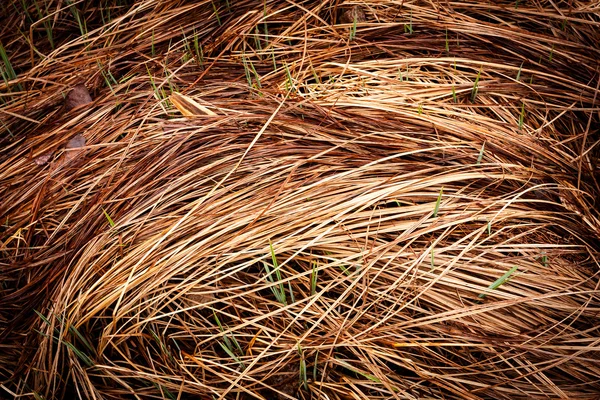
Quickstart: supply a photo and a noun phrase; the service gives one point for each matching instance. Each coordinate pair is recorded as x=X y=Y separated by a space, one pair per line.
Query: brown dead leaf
x=78 y=96
x=201 y=298
x=75 y=142
x=188 y=106
x=73 y=150
x=350 y=15
x=284 y=381
x=44 y=158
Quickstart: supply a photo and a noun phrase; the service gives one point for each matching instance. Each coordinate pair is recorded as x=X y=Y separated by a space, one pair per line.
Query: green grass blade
x=43 y=318
x=447 y=42
x=437 y=203
x=164 y=391
x=231 y=354
x=313 y=279
x=303 y=378
x=277 y=290
x=475 y=89
x=152 y=50
x=46 y=23
x=76 y=332
x=277 y=271
x=47 y=323
x=162 y=345
x=256 y=76
x=292 y=298
x=519 y=72
x=522 y=116
x=237 y=344
x=353 y=29
x=480 y=157
x=247 y=72
x=290 y=82
x=198 y=50
x=499 y=281
x=110 y=221
x=544 y=259
x=225 y=338
x=82 y=356
x=216 y=12
x=83 y=340
x=345 y=270
x=10 y=74
x=257 y=38
x=370 y=377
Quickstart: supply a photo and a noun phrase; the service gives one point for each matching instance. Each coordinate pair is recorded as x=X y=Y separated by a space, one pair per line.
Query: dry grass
x=324 y=212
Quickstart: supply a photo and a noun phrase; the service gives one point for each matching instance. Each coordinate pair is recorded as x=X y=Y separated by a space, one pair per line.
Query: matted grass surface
x=314 y=199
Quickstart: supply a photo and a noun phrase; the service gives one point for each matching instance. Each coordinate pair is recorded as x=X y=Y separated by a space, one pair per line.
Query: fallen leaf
x=44 y=158
x=75 y=142
x=285 y=381
x=353 y=14
x=201 y=298
x=188 y=106
x=78 y=96
x=73 y=148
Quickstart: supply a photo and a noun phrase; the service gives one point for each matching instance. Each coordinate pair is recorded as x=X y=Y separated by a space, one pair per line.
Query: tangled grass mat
x=299 y=199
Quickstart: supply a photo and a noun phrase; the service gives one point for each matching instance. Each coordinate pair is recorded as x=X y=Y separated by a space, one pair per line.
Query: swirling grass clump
x=314 y=199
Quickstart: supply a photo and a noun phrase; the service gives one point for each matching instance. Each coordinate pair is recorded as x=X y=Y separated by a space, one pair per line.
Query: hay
x=398 y=206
